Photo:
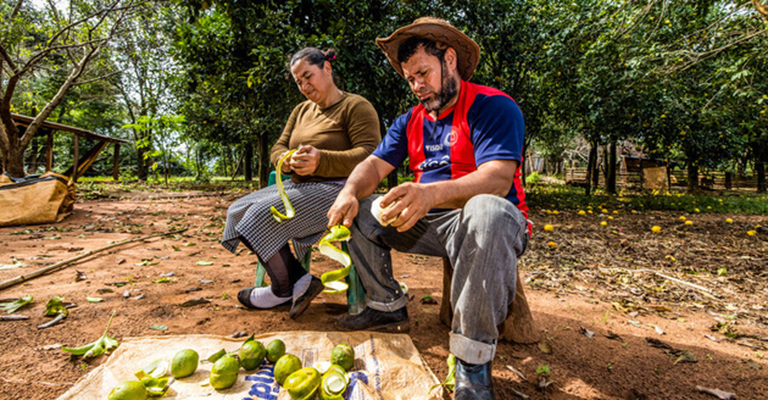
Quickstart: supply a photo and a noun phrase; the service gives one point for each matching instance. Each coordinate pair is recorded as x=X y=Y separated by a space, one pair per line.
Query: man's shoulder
x=488 y=100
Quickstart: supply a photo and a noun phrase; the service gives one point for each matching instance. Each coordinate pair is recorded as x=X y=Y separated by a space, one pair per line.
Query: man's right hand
x=344 y=210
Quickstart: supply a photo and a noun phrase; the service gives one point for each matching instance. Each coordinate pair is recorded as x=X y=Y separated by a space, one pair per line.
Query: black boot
x=473 y=381
x=372 y=320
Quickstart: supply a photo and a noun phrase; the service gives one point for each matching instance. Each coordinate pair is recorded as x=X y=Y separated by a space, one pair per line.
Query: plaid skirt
x=250 y=221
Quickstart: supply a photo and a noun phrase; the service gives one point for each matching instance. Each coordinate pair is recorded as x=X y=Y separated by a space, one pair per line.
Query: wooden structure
x=81 y=164
x=517 y=328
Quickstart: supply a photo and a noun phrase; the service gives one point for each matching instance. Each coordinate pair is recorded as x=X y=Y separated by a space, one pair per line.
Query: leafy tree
x=32 y=41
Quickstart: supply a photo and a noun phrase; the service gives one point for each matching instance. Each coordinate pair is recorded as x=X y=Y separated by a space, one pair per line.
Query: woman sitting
x=332 y=132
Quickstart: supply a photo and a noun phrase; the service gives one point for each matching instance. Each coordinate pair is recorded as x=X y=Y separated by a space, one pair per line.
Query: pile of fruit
x=301 y=383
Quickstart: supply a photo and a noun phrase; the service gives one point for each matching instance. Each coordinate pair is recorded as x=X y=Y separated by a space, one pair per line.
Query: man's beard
x=447 y=91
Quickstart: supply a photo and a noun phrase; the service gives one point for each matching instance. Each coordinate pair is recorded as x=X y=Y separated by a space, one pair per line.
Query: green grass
x=571 y=198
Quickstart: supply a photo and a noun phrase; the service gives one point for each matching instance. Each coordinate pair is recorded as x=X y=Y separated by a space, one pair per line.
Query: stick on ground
x=65 y=263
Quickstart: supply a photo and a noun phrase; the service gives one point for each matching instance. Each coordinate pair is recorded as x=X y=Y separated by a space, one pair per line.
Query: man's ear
x=450 y=58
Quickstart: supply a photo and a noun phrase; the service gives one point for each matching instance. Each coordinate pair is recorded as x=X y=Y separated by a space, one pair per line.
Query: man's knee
x=487 y=211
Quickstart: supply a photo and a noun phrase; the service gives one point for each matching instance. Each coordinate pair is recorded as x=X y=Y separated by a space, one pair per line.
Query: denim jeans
x=483 y=241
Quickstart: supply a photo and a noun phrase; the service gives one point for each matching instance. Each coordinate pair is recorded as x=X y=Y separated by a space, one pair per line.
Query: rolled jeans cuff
x=387 y=307
x=471 y=351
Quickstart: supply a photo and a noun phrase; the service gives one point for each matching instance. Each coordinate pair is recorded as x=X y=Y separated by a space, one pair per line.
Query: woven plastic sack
x=387 y=367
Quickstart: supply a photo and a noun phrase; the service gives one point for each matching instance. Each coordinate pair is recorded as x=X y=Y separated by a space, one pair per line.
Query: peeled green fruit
x=303 y=384
x=285 y=366
x=184 y=363
x=275 y=350
x=334 y=383
x=128 y=390
x=251 y=354
x=344 y=356
x=224 y=372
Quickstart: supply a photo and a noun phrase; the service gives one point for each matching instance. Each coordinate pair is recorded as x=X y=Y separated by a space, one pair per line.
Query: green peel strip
x=289 y=210
x=334 y=280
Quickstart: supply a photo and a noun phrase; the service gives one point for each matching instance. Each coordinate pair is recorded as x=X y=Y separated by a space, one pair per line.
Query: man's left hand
x=413 y=201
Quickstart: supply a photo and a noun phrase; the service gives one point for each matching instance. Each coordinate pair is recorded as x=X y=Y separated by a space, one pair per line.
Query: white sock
x=301 y=286
x=262 y=297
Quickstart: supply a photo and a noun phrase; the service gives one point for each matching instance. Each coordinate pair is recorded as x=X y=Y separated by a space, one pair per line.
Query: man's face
x=433 y=82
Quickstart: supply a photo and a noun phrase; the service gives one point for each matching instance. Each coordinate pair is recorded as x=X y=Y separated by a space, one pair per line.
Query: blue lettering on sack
x=264 y=387
x=354 y=377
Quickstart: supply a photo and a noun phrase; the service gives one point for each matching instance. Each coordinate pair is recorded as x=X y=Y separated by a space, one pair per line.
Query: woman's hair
x=315 y=56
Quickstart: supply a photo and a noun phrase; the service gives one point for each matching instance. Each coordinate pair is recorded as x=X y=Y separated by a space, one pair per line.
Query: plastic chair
x=355 y=293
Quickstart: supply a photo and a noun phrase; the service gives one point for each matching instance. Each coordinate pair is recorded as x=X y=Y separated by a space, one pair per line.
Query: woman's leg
x=284 y=271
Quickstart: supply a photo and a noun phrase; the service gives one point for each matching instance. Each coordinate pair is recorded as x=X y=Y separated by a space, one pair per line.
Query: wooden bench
x=517 y=328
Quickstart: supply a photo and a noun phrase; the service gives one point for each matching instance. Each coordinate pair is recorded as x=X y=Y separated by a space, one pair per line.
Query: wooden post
x=49 y=152
x=116 y=163
x=74 y=164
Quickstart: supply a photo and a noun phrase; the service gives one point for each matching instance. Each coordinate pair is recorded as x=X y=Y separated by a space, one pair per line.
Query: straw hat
x=467 y=51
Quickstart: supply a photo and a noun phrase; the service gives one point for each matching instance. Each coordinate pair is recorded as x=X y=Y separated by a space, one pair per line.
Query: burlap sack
x=387 y=367
x=36 y=200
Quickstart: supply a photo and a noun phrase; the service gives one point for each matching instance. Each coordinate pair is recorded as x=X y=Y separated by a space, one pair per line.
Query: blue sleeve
x=497 y=128
x=394 y=146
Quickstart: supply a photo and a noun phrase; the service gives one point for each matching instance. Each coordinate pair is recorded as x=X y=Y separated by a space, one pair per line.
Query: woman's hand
x=305 y=160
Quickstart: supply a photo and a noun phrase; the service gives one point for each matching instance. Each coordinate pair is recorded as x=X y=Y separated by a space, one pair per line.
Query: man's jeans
x=483 y=241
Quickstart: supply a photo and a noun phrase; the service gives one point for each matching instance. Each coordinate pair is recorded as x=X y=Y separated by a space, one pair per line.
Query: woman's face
x=313 y=82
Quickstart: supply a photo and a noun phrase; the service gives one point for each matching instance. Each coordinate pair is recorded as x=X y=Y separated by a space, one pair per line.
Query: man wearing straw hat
x=464 y=144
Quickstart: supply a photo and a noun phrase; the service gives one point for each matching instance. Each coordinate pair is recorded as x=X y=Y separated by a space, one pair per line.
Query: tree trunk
x=728 y=180
x=523 y=169
x=592 y=160
x=14 y=161
x=611 y=181
x=760 y=171
x=596 y=171
x=264 y=162
x=248 y=160
x=693 y=177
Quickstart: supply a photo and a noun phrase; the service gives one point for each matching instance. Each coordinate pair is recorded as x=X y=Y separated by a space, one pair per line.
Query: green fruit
x=285 y=366
x=251 y=354
x=344 y=356
x=334 y=383
x=128 y=390
x=224 y=372
x=303 y=384
x=275 y=350
x=184 y=363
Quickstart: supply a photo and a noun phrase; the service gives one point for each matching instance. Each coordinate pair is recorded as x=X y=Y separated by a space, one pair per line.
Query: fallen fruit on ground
x=344 y=356
x=275 y=350
x=303 y=384
x=128 y=390
x=184 y=363
x=251 y=354
x=224 y=373
x=285 y=366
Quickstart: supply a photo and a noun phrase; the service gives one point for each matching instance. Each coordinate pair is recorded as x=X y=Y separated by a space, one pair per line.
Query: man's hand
x=305 y=160
x=413 y=201
x=343 y=210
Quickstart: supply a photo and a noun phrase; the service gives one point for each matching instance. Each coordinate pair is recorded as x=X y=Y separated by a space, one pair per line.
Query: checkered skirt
x=249 y=219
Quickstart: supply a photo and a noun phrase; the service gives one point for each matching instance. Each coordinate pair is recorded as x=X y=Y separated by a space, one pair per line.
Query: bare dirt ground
x=597 y=298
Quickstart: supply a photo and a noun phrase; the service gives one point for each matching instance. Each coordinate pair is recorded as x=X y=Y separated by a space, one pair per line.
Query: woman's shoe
x=304 y=291
x=261 y=298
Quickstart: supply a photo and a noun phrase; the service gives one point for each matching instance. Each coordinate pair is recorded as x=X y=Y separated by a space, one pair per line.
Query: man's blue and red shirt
x=485 y=124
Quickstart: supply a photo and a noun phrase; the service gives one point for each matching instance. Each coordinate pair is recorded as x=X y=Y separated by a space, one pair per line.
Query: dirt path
x=577 y=289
